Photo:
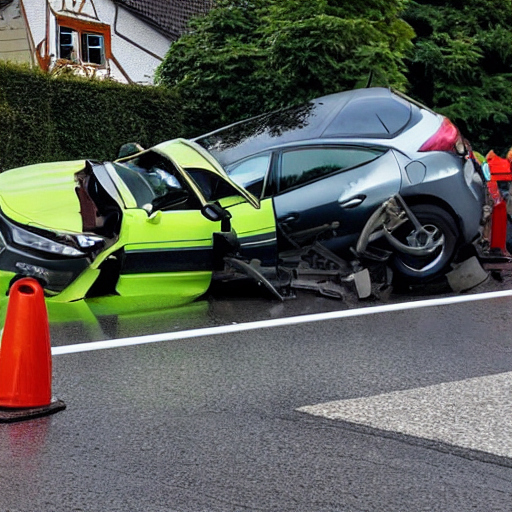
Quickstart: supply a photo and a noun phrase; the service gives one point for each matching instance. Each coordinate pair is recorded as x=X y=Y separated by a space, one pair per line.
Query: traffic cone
x=25 y=356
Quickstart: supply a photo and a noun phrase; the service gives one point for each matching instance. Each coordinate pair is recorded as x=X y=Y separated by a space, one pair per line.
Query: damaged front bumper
x=21 y=256
x=55 y=274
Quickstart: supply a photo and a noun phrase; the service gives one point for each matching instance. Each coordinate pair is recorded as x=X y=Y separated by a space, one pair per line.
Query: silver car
x=331 y=164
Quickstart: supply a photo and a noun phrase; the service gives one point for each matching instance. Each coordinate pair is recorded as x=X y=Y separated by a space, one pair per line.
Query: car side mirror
x=216 y=213
x=129 y=149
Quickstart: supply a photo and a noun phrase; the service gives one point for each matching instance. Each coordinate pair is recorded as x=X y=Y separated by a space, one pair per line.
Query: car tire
x=414 y=269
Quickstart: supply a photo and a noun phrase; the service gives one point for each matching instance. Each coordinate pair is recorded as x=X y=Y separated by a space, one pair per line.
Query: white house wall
x=138 y=64
x=35 y=11
x=14 y=43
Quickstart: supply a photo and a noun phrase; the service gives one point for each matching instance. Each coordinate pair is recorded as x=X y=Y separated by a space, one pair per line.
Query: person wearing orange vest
x=501 y=172
x=501 y=168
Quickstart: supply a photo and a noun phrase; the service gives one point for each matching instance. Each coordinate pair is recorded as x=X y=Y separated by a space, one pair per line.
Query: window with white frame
x=93 y=49
x=85 y=47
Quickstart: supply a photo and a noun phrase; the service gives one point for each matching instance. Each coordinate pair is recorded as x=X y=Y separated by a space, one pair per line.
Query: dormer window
x=66 y=44
x=85 y=47
x=83 y=41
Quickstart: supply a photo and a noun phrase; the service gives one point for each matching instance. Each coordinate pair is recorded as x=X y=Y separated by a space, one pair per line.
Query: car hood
x=43 y=195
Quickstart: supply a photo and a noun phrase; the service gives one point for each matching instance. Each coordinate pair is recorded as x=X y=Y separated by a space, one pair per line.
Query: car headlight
x=37 y=242
x=89 y=241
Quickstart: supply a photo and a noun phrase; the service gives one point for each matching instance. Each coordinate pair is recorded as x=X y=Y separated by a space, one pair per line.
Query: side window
x=212 y=187
x=305 y=165
x=154 y=179
x=250 y=173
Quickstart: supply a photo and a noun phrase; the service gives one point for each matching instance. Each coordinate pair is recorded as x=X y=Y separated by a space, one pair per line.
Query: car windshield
x=153 y=180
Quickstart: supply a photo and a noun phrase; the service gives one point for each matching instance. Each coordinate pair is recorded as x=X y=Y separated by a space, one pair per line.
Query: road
x=390 y=409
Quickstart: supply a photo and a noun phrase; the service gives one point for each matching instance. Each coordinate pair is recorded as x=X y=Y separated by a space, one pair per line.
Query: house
x=120 y=39
x=14 y=44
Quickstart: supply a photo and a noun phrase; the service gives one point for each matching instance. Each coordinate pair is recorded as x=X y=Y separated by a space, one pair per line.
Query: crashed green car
x=158 y=222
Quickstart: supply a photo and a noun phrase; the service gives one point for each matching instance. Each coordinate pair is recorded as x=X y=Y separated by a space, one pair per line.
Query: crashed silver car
x=368 y=173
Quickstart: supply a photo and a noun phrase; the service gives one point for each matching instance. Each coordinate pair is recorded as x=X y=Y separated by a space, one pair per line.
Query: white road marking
x=474 y=413
x=277 y=322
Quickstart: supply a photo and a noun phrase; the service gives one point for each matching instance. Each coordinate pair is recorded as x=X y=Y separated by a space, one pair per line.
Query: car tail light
x=447 y=138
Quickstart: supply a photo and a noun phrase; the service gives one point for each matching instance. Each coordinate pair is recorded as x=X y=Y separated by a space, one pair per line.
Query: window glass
x=371 y=117
x=66 y=44
x=153 y=179
x=306 y=165
x=211 y=186
x=92 y=48
x=250 y=173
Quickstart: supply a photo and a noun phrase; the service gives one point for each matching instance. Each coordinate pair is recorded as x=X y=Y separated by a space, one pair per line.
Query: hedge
x=45 y=118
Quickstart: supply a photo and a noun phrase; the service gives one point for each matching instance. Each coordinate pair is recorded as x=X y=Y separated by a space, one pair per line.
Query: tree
x=462 y=66
x=250 y=56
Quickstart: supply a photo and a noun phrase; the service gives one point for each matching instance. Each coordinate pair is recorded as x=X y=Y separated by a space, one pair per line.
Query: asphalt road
x=395 y=410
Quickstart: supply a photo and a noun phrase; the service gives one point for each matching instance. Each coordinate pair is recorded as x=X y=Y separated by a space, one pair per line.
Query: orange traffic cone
x=25 y=356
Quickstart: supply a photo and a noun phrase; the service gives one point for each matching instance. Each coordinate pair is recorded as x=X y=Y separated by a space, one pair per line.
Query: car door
x=169 y=252
x=166 y=244
x=317 y=186
x=256 y=229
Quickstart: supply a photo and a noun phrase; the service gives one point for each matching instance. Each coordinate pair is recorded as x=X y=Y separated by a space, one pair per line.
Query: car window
x=382 y=117
x=153 y=179
x=212 y=187
x=250 y=173
x=305 y=165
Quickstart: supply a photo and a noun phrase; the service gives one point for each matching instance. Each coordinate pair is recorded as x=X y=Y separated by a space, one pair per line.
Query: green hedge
x=45 y=118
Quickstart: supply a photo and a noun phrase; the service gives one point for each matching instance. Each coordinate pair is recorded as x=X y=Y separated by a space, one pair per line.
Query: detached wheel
x=440 y=230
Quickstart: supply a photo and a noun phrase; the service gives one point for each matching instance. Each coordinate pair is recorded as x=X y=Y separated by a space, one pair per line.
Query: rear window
x=381 y=117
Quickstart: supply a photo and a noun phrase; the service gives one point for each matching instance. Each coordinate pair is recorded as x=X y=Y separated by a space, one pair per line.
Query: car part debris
x=387 y=218
x=466 y=275
x=251 y=270
x=313 y=268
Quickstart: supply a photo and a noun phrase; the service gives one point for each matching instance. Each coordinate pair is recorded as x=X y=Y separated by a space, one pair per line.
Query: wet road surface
x=417 y=403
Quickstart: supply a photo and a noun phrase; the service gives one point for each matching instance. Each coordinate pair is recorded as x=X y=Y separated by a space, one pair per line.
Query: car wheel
x=439 y=228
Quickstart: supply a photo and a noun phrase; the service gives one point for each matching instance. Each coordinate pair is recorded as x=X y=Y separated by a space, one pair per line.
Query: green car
x=158 y=222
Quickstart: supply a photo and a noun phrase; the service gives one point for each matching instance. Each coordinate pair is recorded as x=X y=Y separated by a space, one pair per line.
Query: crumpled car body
x=335 y=160
x=136 y=227
x=306 y=197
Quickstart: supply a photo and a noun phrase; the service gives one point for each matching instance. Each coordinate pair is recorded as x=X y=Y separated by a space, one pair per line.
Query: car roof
x=375 y=112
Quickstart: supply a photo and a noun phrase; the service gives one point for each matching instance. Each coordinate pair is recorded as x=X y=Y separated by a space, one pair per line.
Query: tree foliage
x=462 y=65
x=250 y=56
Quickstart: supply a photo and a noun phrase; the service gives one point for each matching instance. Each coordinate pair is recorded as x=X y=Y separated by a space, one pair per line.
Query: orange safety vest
x=501 y=168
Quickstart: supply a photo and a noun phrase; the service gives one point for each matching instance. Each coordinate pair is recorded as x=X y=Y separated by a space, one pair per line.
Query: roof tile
x=169 y=16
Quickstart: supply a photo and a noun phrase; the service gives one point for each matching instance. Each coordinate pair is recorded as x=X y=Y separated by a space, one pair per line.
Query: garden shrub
x=45 y=118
